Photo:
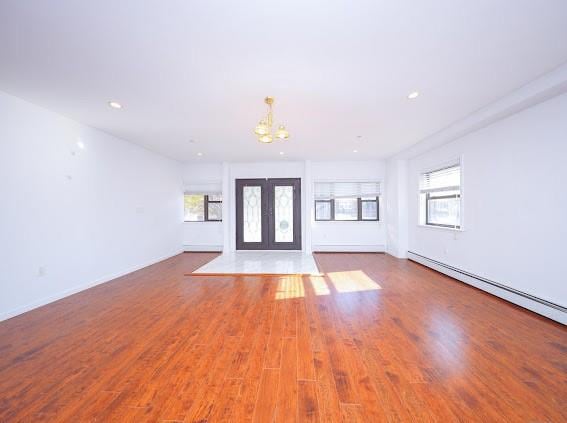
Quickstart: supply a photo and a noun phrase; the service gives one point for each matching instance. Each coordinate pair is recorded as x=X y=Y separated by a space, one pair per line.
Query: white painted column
x=396 y=196
x=307 y=212
x=226 y=207
x=403 y=218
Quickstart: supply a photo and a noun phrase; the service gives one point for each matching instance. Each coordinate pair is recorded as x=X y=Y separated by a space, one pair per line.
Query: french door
x=268 y=214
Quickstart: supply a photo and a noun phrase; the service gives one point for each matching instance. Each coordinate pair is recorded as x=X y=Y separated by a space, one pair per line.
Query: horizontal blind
x=446 y=179
x=330 y=190
x=203 y=188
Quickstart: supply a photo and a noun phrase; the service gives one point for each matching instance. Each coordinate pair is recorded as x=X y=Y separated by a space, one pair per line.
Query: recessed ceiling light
x=81 y=145
x=413 y=95
x=281 y=153
x=199 y=154
x=115 y=104
x=355 y=151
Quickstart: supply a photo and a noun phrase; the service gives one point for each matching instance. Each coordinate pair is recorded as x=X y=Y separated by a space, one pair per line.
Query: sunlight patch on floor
x=352 y=281
x=320 y=286
x=290 y=287
x=343 y=282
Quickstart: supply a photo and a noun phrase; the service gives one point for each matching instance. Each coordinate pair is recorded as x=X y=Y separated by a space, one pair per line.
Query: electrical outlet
x=41 y=270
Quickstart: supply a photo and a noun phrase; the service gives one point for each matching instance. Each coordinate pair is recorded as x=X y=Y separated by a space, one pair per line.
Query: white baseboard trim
x=46 y=300
x=537 y=305
x=348 y=248
x=213 y=248
x=397 y=254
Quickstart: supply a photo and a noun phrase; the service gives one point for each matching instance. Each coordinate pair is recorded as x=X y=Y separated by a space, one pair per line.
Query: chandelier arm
x=270 y=117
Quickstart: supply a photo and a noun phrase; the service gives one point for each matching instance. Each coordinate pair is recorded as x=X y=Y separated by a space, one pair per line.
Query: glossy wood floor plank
x=374 y=339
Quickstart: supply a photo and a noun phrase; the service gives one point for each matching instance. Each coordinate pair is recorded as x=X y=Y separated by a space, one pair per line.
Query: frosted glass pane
x=252 y=213
x=283 y=209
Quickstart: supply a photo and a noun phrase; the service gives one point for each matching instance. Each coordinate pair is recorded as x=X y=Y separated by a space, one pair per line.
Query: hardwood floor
x=375 y=339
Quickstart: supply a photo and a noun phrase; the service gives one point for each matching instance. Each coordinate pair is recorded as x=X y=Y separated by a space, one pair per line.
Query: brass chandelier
x=264 y=129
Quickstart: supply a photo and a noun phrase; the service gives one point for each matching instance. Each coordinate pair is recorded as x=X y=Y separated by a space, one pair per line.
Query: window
x=347 y=201
x=369 y=208
x=323 y=209
x=213 y=207
x=440 y=197
x=203 y=207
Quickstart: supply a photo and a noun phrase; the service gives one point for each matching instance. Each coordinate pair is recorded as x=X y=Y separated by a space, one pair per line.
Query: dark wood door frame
x=268 y=214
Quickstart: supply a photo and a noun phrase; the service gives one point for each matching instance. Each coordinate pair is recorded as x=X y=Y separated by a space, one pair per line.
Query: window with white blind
x=347 y=201
x=203 y=203
x=440 y=197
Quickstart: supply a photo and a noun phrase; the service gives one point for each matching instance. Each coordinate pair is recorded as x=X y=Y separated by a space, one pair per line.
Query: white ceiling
x=199 y=70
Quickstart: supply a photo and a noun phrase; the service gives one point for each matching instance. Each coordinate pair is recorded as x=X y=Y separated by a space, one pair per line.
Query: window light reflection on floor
x=320 y=286
x=352 y=281
x=343 y=282
x=290 y=287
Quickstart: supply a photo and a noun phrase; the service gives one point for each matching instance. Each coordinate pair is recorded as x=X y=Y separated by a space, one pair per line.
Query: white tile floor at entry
x=262 y=262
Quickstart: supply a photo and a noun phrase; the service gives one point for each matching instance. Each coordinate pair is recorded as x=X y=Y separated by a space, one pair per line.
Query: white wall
x=321 y=236
x=71 y=218
x=203 y=236
x=515 y=202
x=349 y=236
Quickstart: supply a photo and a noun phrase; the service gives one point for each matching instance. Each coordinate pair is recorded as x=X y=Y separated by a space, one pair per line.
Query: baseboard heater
x=531 y=302
x=331 y=248
x=202 y=248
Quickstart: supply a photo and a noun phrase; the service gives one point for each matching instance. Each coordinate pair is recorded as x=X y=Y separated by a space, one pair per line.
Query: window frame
x=359 y=218
x=346 y=220
x=206 y=202
x=361 y=201
x=425 y=197
x=428 y=198
x=332 y=210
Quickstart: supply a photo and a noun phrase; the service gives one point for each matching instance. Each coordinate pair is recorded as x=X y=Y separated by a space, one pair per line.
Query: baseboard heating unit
x=531 y=302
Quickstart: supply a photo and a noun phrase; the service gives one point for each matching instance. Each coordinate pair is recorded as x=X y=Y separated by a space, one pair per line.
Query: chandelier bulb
x=261 y=128
x=282 y=133
x=266 y=139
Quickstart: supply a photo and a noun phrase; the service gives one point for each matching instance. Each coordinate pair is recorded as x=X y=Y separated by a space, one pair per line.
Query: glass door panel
x=283 y=213
x=252 y=211
x=251 y=214
x=268 y=214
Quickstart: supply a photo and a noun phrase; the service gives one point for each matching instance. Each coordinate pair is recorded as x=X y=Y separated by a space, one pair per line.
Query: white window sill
x=202 y=221
x=347 y=221
x=443 y=228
